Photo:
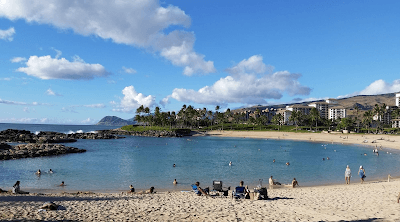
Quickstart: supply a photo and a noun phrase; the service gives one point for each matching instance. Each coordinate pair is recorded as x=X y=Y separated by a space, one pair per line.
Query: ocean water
x=113 y=165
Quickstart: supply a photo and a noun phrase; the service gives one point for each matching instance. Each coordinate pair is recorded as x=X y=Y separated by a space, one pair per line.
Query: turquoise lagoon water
x=112 y=165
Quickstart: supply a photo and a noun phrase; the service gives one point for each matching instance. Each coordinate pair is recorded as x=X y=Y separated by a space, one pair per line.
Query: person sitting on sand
x=361 y=172
x=151 y=190
x=347 y=174
x=16 y=189
x=62 y=184
x=294 y=183
x=131 y=189
x=273 y=182
x=202 y=191
x=38 y=172
x=175 y=182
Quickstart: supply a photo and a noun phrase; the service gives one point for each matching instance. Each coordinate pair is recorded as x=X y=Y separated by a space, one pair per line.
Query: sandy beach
x=371 y=201
x=373 y=140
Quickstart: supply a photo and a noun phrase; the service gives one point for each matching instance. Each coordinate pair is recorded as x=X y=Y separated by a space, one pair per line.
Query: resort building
x=337 y=112
x=398 y=99
x=322 y=108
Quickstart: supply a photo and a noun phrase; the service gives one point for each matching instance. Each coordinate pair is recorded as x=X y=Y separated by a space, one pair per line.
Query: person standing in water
x=361 y=172
x=347 y=174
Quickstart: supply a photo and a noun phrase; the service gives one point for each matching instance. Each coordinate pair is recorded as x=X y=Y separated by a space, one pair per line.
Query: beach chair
x=217 y=186
x=238 y=193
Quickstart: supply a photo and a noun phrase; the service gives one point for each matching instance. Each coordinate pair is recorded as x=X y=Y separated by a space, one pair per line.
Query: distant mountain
x=115 y=121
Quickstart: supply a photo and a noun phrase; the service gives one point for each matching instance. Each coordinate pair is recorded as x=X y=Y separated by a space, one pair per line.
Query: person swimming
x=38 y=172
x=230 y=163
x=62 y=184
x=51 y=171
x=287 y=163
x=174 y=165
x=175 y=182
x=273 y=160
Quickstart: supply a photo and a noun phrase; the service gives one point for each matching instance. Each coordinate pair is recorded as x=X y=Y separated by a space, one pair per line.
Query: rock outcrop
x=36 y=150
x=23 y=136
x=149 y=133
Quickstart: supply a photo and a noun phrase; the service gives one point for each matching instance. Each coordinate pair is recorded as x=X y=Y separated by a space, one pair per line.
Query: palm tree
x=356 y=119
x=296 y=117
x=278 y=120
x=314 y=115
x=367 y=118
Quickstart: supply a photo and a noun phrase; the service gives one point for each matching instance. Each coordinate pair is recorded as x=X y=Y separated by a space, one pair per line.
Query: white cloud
x=137 y=23
x=377 y=87
x=7 y=34
x=132 y=100
x=88 y=121
x=68 y=110
x=381 y=87
x=45 y=67
x=5 y=79
x=18 y=59
x=249 y=83
x=8 y=102
x=165 y=101
x=128 y=70
x=50 y=92
x=27 y=120
x=95 y=105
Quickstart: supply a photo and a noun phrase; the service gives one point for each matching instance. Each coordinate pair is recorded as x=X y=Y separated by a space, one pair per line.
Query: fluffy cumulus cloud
x=381 y=87
x=45 y=67
x=250 y=82
x=7 y=34
x=137 y=23
x=132 y=100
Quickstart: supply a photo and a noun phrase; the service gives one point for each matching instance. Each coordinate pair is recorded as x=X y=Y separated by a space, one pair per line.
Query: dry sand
x=378 y=140
x=371 y=201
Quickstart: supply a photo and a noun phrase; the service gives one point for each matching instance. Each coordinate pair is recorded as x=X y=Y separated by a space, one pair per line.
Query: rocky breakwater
x=23 y=136
x=148 y=133
x=34 y=150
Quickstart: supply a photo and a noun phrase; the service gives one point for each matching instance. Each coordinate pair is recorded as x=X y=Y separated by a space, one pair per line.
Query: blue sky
x=74 y=62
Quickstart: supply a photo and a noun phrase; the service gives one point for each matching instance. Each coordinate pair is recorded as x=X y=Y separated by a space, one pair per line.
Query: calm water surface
x=144 y=162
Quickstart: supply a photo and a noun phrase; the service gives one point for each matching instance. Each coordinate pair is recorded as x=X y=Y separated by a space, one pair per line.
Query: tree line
x=192 y=118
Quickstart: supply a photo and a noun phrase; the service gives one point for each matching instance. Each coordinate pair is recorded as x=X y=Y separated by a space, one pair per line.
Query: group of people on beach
x=361 y=173
x=273 y=182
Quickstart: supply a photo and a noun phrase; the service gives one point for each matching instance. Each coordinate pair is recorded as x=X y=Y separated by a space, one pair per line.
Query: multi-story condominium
x=398 y=99
x=322 y=108
x=337 y=112
x=303 y=109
